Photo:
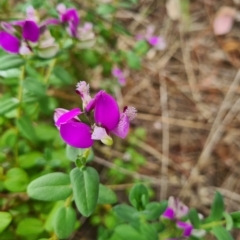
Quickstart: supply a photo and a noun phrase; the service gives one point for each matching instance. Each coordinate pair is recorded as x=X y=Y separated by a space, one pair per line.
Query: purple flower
x=107 y=119
x=126 y=117
x=186 y=227
x=157 y=42
x=30 y=33
x=86 y=36
x=118 y=73
x=70 y=17
x=9 y=42
x=82 y=89
x=72 y=131
x=176 y=210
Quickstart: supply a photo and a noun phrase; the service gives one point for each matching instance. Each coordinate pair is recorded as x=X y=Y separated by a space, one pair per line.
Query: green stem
x=20 y=91
x=54 y=237
x=68 y=201
x=20 y=98
x=213 y=224
x=49 y=71
x=163 y=236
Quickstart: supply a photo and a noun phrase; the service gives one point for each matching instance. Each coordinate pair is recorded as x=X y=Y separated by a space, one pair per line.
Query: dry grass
x=188 y=99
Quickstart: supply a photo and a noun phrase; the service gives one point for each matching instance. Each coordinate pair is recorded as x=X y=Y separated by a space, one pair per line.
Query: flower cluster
x=119 y=74
x=177 y=210
x=23 y=36
x=106 y=119
x=157 y=42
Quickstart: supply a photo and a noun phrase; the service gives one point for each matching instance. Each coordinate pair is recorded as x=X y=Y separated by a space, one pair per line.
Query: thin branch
x=165 y=139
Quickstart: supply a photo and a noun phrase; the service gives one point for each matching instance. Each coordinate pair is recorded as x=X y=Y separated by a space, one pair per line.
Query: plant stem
x=49 y=71
x=68 y=201
x=20 y=91
x=213 y=224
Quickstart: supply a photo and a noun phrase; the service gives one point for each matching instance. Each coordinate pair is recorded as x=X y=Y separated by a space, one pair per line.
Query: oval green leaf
x=106 y=195
x=50 y=187
x=6 y=218
x=29 y=226
x=221 y=233
x=64 y=222
x=26 y=128
x=85 y=185
x=125 y=212
x=11 y=61
x=7 y=105
x=16 y=180
x=217 y=208
x=138 y=196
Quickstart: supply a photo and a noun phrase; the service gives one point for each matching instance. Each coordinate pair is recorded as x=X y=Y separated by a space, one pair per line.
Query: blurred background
x=185 y=141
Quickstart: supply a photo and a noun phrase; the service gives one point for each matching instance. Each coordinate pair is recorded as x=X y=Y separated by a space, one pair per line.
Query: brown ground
x=188 y=99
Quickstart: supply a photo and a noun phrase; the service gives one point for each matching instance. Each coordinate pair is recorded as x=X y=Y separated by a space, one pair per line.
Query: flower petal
x=64 y=118
x=123 y=127
x=187 y=228
x=154 y=40
x=169 y=213
x=106 y=113
x=31 y=31
x=91 y=105
x=9 y=42
x=51 y=21
x=76 y=134
x=99 y=133
x=71 y=17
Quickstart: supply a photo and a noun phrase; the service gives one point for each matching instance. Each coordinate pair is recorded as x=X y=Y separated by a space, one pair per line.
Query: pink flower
x=157 y=42
x=118 y=73
x=106 y=117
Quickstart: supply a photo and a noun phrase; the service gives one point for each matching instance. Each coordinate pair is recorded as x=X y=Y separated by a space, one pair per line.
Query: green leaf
x=217 y=208
x=193 y=216
x=8 y=104
x=29 y=160
x=141 y=48
x=90 y=57
x=29 y=226
x=235 y=216
x=50 y=187
x=11 y=61
x=34 y=87
x=125 y=212
x=16 y=180
x=138 y=196
x=64 y=222
x=85 y=185
x=133 y=60
x=10 y=75
x=6 y=218
x=154 y=210
x=229 y=221
x=236 y=219
x=73 y=153
x=221 y=233
x=148 y=231
x=46 y=132
x=105 y=9
x=9 y=138
x=48 y=226
x=62 y=74
x=128 y=232
x=26 y=128
x=106 y=195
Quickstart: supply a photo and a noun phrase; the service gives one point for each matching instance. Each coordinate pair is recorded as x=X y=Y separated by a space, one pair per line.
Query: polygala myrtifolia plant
x=38 y=42
x=168 y=220
x=82 y=184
